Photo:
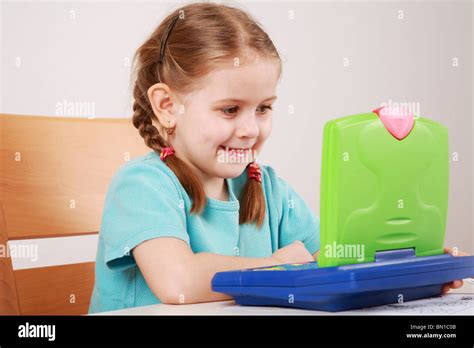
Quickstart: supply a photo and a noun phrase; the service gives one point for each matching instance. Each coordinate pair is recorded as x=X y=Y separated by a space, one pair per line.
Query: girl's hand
x=457 y=283
x=293 y=253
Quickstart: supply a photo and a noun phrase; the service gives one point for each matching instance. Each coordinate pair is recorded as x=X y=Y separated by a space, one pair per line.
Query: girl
x=199 y=203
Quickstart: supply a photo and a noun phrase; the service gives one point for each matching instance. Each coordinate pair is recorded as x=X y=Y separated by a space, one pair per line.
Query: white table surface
x=456 y=302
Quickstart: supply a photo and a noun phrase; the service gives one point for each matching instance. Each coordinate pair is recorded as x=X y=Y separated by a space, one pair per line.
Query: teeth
x=233 y=149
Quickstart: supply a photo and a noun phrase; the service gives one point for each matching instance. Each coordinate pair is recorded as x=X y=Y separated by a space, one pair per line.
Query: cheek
x=215 y=132
x=203 y=127
x=265 y=130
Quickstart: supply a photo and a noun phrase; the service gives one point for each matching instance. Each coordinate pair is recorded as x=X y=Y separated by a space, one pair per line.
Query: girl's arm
x=178 y=276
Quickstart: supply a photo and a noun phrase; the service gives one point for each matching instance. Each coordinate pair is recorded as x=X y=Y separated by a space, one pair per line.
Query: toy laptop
x=384 y=194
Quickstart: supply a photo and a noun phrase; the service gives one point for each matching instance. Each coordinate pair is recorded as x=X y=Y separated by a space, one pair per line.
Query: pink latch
x=397 y=122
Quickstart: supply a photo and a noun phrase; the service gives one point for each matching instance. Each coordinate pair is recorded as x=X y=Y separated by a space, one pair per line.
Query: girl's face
x=224 y=124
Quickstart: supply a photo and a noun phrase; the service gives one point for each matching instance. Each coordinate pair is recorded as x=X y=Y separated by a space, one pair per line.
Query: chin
x=230 y=171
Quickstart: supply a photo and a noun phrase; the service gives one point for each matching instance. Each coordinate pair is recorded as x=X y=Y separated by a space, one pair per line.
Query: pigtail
x=190 y=181
x=142 y=120
x=252 y=202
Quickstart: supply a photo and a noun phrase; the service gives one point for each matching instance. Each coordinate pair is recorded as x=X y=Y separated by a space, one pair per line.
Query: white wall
x=79 y=52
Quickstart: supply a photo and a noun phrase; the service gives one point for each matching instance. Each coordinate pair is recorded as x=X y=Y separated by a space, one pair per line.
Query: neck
x=214 y=187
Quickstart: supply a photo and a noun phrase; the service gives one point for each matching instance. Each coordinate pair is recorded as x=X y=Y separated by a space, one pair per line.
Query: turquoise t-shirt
x=145 y=200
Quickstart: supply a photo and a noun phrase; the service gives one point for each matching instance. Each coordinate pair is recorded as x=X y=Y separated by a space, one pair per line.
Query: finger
x=456 y=252
x=445 y=289
x=457 y=284
x=448 y=285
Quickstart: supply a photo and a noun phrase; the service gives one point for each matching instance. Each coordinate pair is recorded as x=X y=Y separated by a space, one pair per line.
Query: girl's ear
x=161 y=102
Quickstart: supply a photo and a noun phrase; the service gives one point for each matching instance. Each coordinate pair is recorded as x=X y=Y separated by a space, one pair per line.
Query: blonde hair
x=192 y=40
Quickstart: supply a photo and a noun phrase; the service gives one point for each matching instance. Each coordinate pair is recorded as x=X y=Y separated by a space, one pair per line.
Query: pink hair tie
x=165 y=152
x=254 y=172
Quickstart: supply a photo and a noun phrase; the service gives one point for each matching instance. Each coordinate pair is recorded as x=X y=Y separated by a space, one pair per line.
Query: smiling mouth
x=239 y=153
x=236 y=155
x=236 y=150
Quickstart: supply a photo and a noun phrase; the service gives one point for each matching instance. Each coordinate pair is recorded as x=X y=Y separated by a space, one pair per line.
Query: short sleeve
x=298 y=222
x=142 y=203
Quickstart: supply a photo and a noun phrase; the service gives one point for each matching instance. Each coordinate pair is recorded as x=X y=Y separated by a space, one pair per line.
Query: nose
x=248 y=126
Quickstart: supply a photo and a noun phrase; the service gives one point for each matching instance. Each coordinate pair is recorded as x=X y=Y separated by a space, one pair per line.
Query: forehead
x=252 y=82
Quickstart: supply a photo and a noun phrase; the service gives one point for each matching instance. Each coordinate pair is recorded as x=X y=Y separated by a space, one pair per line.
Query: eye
x=264 y=108
x=230 y=111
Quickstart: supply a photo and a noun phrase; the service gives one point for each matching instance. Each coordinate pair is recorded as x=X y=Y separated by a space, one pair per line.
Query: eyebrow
x=234 y=100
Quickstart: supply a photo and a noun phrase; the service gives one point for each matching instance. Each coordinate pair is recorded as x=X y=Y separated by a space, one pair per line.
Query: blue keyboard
x=344 y=287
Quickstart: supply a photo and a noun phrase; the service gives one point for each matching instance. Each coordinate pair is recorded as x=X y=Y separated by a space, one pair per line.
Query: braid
x=252 y=203
x=142 y=120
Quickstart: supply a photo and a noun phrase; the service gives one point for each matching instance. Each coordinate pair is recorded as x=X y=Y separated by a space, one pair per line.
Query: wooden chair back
x=54 y=173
